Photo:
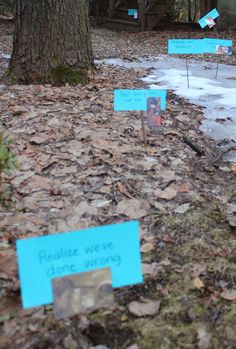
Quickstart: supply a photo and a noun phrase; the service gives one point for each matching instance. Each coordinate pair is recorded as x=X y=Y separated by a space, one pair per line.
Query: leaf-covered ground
x=83 y=165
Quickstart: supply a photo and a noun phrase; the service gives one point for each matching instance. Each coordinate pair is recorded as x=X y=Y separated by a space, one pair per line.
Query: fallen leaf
x=8 y=265
x=166 y=175
x=198 y=269
x=102 y=144
x=165 y=262
x=159 y=206
x=39 y=139
x=232 y=220
x=21 y=178
x=229 y=295
x=149 y=238
x=203 y=339
x=131 y=208
x=101 y=203
x=167 y=238
x=125 y=148
x=25 y=162
x=147 y=247
x=181 y=188
x=233 y=167
x=167 y=194
x=134 y=346
x=75 y=148
x=225 y=169
x=144 y=308
x=18 y=110
x=122 y=190
x=197 y=282
x=4 y=317
x=151 y=269
x=182 y=208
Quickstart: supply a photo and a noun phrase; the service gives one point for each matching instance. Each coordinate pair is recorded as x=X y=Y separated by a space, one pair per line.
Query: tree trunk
x=52 y=42
x=206 y=6
x=189 y=11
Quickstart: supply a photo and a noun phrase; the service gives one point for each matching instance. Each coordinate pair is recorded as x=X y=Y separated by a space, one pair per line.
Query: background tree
x=207 y=5
x=52 y=42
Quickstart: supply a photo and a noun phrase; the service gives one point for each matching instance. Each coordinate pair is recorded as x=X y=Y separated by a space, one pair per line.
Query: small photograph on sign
x=82 y=293
x=224 y=50
x=154 y=112
x=210 y=22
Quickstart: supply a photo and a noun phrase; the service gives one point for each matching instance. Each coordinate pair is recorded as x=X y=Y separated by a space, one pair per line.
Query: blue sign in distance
x=127 y=100
x=212 y=14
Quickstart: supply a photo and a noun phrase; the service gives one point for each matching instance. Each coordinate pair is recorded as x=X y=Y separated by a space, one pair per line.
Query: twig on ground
x=194 y=146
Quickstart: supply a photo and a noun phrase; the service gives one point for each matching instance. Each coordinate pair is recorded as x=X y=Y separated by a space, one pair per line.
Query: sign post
x=187 y=72
x=136 y=100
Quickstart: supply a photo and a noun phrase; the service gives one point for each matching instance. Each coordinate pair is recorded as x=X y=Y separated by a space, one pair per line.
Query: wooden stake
x=142 y=15
x=217 y=68
x=187 y=72
x=218 y=58
x=143 y=129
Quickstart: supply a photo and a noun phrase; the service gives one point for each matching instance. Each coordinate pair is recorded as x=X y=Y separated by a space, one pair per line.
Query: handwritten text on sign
x=196 y=46
x=43 y=258
x=186 y=46
x=136 y=99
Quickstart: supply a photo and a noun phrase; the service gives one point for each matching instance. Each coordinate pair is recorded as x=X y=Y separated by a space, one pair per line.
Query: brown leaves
x=231 y=213
x=197 y=282
x=83 y=165
x=198 y=269
x=39 y=139
x=18 y=110
x=133 y=208
x=151 y=269
x=229 y=295
x=166 y=194
x=233 y=167
x=145 y=307
x=8 y=265
x=147 y=247
x=203 y=339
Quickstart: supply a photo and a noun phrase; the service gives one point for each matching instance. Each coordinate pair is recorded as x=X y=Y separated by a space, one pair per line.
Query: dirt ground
x=83 y=165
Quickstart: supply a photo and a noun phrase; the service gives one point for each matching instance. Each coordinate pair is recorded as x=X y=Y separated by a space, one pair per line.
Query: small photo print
x=154 y=112
x=224 y=50
x=82 y=293
x=210 y=22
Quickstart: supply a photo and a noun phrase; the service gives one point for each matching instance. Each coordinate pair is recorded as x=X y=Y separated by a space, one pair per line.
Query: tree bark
x=189 y=11
x=207 y=6
x=52 y=42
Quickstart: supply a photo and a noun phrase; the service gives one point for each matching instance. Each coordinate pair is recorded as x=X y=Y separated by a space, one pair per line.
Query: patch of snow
x=5 y=55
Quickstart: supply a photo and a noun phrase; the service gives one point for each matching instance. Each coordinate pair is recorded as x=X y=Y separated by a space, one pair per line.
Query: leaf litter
x=82 y=165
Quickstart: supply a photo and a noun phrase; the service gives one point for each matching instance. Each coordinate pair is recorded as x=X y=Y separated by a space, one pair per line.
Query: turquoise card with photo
x=40 y=259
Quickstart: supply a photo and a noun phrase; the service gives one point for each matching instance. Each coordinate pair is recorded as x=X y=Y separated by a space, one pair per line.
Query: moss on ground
x=58 y=76
x=204 y=238
x=63 y=74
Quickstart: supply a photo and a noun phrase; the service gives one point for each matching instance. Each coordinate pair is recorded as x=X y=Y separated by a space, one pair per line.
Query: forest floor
x=83 y=165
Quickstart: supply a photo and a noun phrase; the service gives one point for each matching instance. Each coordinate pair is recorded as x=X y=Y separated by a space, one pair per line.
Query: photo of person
x=82 y=293
x=224 y=50
x=210 y=22
x=154 y=112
